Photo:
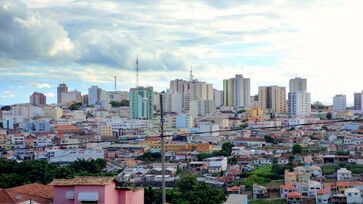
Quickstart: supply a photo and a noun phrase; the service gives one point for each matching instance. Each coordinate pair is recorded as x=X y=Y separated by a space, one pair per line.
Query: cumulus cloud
x=7 y=94
x=89 y=41
x=50 y=95
x=25 y=36
x=41 y=85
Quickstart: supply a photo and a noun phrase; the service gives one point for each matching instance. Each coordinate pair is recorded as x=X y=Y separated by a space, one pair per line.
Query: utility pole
x=137 y=72
x=162 y=148
x=115 y=83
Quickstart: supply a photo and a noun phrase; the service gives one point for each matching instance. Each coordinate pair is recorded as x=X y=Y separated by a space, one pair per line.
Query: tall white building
x=118 y=95
x=97 y=95
x=358 y=99
x=192 y=90
x=237 y=92
x=173 y=101
x=339 y=103
x=272 y=99
x=297 y=84
x=299 y=101
x=202 y=108
x=218 y=97
x=70 y=97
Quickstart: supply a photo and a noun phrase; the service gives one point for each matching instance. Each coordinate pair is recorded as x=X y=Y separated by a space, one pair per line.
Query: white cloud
x=50 y=95
x=41 y=85
x=7 y=94
x=314 y=39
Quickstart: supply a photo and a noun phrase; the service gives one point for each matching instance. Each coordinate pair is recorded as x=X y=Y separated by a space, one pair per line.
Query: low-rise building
x=94 y=190
x=344 y=174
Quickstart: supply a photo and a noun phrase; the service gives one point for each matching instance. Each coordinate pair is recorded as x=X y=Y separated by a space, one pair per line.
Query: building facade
x=62 y=88
x=339 y=103
x=237 y=92
x=272 y=99
x=141 y=103
x=38 y=99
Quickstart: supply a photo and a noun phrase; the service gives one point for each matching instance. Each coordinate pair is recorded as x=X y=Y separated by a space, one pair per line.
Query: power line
x=196 y=133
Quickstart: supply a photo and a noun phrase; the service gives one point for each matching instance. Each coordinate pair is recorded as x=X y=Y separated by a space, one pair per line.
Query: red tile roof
x=37 y=192
x=287 y=186
x=294 y=195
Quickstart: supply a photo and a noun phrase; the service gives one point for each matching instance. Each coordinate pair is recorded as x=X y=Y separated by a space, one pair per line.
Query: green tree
x=297 y=149
x=150 y=157
x=227 y=149
x=269 y=139
x=187 y=190
x=5 y=108
x=12 y=172
x=329 y=116
x=115 y=104
x=75 y=106
x=89 y=115
x=125 y=102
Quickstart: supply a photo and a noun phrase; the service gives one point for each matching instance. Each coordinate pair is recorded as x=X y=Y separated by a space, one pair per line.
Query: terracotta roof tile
x=294 y=195
x=37 y=192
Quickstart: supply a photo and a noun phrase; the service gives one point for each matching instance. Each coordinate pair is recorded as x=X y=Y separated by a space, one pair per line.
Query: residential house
x=294 y=198
x=353 y=195
x=323 y=196
x=259 y=192
x=94 y=190
x=344 y=174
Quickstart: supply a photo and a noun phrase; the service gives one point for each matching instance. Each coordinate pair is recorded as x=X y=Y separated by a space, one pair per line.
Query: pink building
x=101 y=190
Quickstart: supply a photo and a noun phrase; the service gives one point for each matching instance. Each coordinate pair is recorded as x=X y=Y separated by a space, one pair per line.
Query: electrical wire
x=198 y=133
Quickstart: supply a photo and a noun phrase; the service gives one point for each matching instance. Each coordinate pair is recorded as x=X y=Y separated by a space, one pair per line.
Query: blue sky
x=87 y=42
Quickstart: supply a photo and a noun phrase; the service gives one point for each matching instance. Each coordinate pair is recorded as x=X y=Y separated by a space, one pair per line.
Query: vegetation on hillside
x=187 y=190
x=14 y=173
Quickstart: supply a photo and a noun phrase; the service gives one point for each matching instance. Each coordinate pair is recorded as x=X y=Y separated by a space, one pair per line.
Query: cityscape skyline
x=282 y=38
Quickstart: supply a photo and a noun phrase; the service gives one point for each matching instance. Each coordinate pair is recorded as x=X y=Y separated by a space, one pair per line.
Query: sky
x=87 y=42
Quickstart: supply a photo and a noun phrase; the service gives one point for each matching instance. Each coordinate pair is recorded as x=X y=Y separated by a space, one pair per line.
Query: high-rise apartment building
x=141 y=103
x=192 y=90
x=299 y=102
x=118 y=95
x=297 y=84
x=202 y=107
x=173 y=101
x=358 y=101
x=62 y=88
x=339 y=103
x=237 y=92
x=97 y=95
x=71 y=97
x=218 y=97
x=272 y=99
x=38 y=99
x=228 y=92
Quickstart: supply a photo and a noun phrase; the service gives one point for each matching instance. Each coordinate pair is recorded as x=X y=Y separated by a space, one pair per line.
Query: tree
x=125 y=102
x=269 y=139
x=187 y=190
x=227 y=148
x=89 y=115
x=5 y=108
x=150 y=157
x=329 y=116
x=297 y=149
x=12 y=172
x=75 y=106
x=115 y=104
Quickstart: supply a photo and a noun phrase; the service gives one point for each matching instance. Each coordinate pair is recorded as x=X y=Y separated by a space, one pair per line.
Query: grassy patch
x=268 y=201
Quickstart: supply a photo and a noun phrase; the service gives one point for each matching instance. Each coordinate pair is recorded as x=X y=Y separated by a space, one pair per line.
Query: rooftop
x=83 y=180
